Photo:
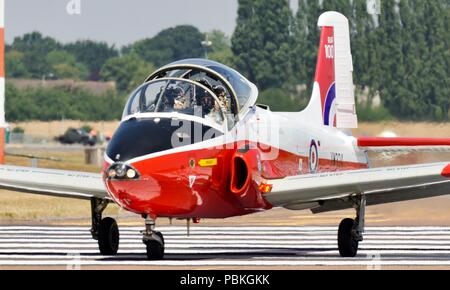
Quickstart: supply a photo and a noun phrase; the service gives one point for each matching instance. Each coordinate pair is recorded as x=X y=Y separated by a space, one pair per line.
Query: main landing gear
x=153 y=240
x=105 y=230
x=351 y=231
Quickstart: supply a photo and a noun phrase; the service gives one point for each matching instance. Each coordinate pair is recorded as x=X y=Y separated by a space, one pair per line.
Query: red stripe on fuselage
x=288 y=164
x=392 y=142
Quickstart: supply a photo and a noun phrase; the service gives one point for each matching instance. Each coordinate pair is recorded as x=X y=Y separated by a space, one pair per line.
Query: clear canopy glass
x=178 y=95
x=241 y=86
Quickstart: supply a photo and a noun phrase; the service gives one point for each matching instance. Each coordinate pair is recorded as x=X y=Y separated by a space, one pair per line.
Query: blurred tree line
x=47 y=104
x=401 y=55
x=34 y=56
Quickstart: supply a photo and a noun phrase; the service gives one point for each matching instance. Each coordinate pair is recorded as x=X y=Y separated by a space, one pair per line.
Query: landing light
x=122 y=171
x=131 y=173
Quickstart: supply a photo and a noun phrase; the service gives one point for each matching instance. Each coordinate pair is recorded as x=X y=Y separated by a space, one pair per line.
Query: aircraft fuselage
x=223 y=176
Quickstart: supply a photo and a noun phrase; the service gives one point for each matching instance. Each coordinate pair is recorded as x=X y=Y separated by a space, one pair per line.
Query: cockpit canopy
x=216 y=73
x=195 y=87
x=168 y=95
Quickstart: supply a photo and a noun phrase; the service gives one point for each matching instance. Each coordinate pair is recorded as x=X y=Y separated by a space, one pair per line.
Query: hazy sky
x=116 y=21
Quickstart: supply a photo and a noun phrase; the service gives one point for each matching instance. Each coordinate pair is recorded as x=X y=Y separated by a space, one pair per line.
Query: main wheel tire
x=108 y=237
x=348 y=245
x=160 y=235
x=155 y=250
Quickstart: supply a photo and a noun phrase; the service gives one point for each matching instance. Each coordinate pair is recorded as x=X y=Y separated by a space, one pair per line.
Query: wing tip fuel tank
x=446 y=171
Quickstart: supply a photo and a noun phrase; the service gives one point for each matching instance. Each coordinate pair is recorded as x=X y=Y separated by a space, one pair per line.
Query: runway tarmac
x=222 y=247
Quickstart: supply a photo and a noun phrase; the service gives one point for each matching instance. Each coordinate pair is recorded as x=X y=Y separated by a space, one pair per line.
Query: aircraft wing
x=334 y=191
x=60 y=183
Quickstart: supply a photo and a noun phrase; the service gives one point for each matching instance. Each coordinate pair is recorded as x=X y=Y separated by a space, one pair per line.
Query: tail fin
x=333 y=100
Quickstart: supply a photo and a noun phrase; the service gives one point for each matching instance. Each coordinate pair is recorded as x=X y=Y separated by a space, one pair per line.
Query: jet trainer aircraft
x=193 y=144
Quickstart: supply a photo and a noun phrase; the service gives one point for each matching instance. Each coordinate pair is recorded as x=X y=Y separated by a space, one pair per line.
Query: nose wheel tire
x=347 y=242
x=108 y=237
x=155 y=248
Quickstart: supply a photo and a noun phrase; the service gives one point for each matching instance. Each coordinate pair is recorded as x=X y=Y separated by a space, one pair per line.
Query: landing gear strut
x=105 y=231
x=351 y=231
x=153 y=240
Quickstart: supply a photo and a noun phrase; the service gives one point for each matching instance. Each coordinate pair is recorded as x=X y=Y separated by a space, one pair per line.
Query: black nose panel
x=138 y=137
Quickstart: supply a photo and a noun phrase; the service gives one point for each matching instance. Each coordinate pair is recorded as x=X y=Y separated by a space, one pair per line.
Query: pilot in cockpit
x=222 y=95
x=172 y=97
x=203 y=98
x=180 y=98
x=205 y=83
x=209 y=107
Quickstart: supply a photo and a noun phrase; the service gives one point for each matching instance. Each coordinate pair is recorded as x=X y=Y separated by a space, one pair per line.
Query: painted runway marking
x=227 y=246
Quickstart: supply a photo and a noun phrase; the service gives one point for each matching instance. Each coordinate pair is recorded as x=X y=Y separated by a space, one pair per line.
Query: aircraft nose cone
x=140 y=137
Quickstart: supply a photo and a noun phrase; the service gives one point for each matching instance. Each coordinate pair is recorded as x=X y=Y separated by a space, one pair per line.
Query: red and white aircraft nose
x=180 y=185
x=146 y=174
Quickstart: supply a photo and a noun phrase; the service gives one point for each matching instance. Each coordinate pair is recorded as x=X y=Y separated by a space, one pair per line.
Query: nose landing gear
x=351 y=231
x=153 y=240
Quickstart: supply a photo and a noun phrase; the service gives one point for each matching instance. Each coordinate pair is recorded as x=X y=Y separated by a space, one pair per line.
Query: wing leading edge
x=60 y=183
x=334 y=191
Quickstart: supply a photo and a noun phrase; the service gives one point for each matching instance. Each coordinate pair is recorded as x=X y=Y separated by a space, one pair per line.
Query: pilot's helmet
x=205 y=82
x=200 y=91
x=177 y=91
x=219 y=90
